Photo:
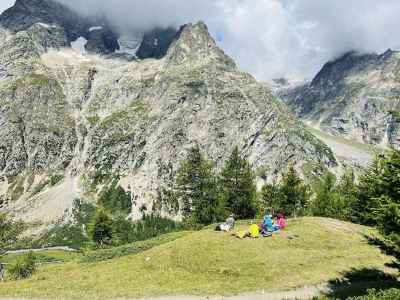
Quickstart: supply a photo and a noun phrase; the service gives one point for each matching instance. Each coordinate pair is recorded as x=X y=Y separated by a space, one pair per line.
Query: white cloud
x=272 y=38
x=4 y=4
x=269 y=38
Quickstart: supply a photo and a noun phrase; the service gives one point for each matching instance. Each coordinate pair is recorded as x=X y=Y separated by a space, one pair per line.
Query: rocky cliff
x=356 y=96
x=100 y=37
x=69 y=121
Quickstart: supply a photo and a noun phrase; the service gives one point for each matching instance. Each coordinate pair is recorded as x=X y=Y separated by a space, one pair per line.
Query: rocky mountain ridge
x=100 y=36
x=356 y=96
x=71 y=121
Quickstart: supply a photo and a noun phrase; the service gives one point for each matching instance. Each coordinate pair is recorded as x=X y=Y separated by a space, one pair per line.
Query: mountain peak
x=24 y=13
x=337 y=69
x=194 y=42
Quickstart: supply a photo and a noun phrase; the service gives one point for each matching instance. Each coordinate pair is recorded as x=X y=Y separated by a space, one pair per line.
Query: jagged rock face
x=26 y=13
x=156 y=42
x=356 y=96
x=75 y=114
x=100 y=35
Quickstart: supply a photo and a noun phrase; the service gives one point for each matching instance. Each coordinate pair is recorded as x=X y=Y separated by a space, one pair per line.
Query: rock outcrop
x=50 y=13
x=101 y=37
x=356 y=96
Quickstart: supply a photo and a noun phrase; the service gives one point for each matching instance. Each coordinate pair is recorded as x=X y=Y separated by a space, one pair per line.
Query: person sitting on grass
x=2 y=271
x=281 y=221
x=269 y=225
x=228 y=225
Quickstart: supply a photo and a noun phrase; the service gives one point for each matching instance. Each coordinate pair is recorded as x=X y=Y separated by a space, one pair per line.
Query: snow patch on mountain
x=93 y=28
x=130 y=44
x=79 y=45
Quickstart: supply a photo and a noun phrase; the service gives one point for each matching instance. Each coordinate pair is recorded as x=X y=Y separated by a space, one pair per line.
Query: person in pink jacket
x=281 y=221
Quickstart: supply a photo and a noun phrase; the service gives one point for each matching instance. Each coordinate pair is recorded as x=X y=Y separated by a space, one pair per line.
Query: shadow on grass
x=384 y=246
x=358 y=282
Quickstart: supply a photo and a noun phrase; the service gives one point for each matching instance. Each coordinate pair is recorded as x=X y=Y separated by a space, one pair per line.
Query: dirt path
x=305 y=293
x=40 y=250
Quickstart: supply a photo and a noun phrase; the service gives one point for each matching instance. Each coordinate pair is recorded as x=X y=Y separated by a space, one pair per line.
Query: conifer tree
x=238 y=186
x=197 y=188
x=369 y=191
x=378 y=200
x=387 y=214
x=294 y=193
x=324 y=202
x=270 y=198
x=101 y=227
x=347 y=190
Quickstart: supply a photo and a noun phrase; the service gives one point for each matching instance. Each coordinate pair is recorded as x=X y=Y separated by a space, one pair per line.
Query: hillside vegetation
x=311 y=251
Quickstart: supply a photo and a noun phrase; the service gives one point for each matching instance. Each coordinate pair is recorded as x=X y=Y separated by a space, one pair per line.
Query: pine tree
x=390 y=178
x=270 y=199
x=238 y=186
x=388 y=220
x=370 y=189
x=334 y=199
x=324 y=202
x=197 y=188
x=101 y=227
x=387 y=213
x=347 y=190
x=294 y=193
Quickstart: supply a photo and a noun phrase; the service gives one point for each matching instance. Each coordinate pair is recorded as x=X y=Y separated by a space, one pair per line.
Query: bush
x=391 y=294
x=126 y=231
x=24 y=267
x=9 y=231
x=73 y=234
x=55 y=179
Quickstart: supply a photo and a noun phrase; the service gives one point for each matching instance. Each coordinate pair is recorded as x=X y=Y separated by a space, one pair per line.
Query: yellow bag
x=254 y=231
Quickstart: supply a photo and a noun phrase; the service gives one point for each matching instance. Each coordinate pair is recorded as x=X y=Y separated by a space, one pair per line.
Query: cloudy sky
x=269 y=38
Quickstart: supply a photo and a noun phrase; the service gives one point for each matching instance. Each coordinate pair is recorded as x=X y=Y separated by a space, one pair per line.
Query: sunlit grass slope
x=310 y=251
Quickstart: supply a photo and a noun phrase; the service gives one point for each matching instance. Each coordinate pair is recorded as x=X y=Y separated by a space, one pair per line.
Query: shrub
x=390 y=294
x=55 y=179
x=126 y=231
x=72 y=234
x=24 y=267
x=9 y=231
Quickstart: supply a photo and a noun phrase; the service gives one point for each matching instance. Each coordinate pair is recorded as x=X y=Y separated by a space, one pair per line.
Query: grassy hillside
x=309 y=252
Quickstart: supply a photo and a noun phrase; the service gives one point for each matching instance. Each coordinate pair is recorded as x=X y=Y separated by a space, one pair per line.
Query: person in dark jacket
x=2 y=271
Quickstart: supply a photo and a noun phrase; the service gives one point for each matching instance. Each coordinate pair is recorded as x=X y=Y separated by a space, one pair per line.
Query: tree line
x=207 y=196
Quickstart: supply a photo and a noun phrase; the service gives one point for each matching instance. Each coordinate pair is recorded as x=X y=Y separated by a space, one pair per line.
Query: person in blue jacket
x=269 y=225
